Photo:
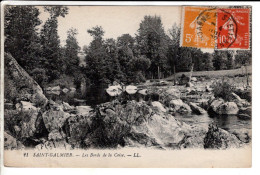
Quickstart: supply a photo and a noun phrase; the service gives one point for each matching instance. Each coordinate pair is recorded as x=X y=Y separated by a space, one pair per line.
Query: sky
x=115 y=20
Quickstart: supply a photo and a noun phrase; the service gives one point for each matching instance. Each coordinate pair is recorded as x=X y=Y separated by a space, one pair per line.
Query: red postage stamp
x=233 y=28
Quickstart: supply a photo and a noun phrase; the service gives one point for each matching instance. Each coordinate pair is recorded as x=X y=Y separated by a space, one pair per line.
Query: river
x=93 y=96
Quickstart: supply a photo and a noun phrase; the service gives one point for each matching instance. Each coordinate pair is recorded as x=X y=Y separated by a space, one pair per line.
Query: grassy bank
x=214 y=74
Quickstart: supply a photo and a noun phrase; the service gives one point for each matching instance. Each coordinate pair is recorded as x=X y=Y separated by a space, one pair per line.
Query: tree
x=125 y=40
x=21 y=37
x=71 y=52
x=230 y=59
x=138 y=66
x=152 y=42
x=220 y=60
x=102 y=65
x=243 y=57
x=112 y=62
x=175 y=33
x=39 y=75
x=125 y=44
x=207 y=63
x=51 y=49
x=97 y=32
x=56 y=11
x=173 y=48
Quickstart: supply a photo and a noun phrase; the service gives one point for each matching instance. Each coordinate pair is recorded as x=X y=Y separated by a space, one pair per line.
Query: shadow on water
x=86 y=96
x=227 y=122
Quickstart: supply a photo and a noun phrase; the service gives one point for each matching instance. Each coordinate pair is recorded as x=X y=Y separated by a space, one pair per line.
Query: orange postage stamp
x=198 y=27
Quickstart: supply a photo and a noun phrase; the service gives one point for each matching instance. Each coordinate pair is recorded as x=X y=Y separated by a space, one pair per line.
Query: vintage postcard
x=127 y=86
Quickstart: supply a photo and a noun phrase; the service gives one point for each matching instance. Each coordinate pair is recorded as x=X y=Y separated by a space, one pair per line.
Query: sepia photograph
x=84 y=84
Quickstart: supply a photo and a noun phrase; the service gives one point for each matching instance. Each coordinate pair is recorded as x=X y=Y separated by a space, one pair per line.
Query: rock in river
x=177 y=105
x=196 y=109
x=158 y=105
x=228 y=108
x=217 y=138
x=216 y=103
x=83 y=110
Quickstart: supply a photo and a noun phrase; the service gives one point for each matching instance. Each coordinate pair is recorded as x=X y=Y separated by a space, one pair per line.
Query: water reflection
x=227 y=122
x=90 y=96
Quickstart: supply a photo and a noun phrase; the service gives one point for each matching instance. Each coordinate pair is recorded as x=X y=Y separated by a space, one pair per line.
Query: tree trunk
x=158 y=72
x=191 y=71
x=247 y=76
x=174 y=75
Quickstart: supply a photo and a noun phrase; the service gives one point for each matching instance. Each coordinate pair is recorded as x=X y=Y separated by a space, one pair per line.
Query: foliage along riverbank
x=153 y=53
x=33 y=121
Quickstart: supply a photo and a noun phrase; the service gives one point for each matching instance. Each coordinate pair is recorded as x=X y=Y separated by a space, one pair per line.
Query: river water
x=93 y=96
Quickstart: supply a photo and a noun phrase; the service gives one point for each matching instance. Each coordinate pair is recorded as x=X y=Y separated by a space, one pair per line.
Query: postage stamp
x=216 y=28
x=198 y=30
x=233 y=28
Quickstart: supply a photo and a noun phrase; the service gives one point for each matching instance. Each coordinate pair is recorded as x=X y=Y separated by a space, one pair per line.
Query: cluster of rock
x=57 y=90
x=236 y=106
x=109 y=125
x=114 y=124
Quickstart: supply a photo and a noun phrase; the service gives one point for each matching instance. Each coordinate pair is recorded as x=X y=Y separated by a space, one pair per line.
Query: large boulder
x=228 y=108
x=167 y=94
x=10 y=143
x=247 y=110
x=243 y=134
x=67 y=107
x=54 y=88
x=240 y=102
x=196 y=109
x=244 y=93
x=83 y=110
x=54 y=119
x=25 y=106
x=245 y=113
x=194 y=79
x=158 y=106
x=20 y=84
x=76 y=129
x=217 y=138
x=173 y=92
x=136 y=124
x=183 y=80
x=177 y=105
x=23 y=124
x=216 y=103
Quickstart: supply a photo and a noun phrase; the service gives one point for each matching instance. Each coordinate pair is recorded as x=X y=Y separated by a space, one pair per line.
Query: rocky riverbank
x=146 y=120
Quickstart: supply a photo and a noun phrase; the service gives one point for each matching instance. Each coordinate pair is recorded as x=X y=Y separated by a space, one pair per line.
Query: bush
x=64 y=81
x=223 y=89
x=39 y=75
x=10 y=92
